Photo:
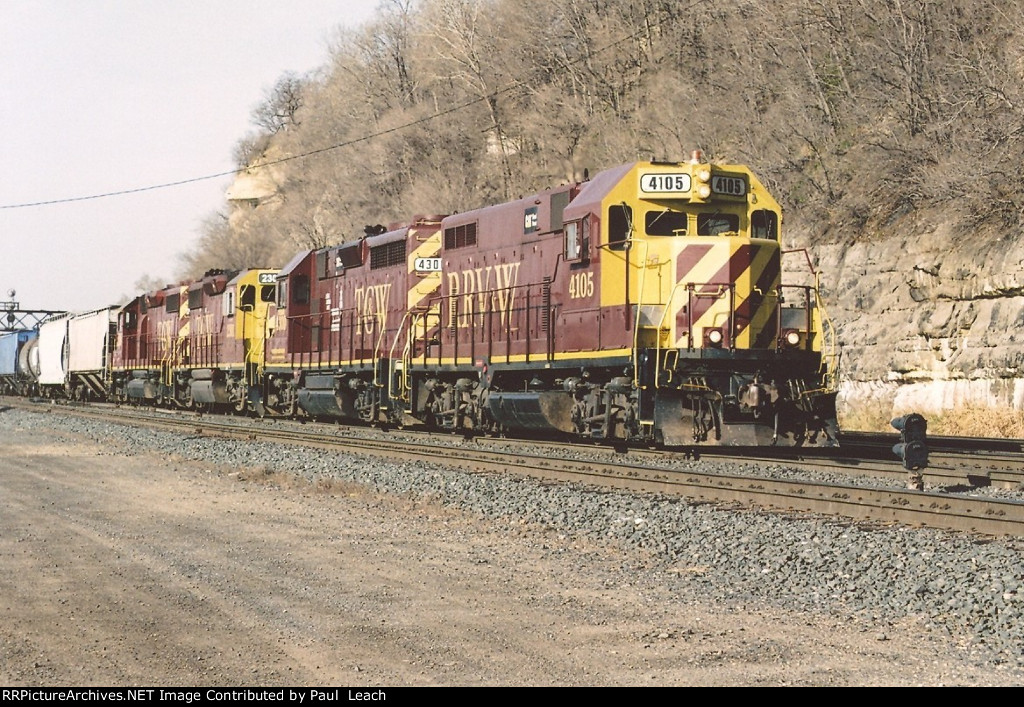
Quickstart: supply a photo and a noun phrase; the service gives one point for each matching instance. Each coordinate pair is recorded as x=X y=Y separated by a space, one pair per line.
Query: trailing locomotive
x=197 y=344
x=644 y=305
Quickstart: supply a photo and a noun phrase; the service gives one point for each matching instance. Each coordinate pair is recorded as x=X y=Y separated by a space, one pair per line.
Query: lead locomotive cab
x=646 y=304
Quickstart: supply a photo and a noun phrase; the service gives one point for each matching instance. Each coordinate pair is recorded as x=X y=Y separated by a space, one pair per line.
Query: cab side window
x=247 y=298
x=300 y=292
x=620 y=224
x=764 y=224
x=228 y=303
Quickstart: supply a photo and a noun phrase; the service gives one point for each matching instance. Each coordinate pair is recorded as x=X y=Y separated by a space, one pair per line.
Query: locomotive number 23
x=581 y=284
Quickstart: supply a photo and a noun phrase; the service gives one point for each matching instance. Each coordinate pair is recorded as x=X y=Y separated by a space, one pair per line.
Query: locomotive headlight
x=701 y=182
x=793 y=338
x=715 y=336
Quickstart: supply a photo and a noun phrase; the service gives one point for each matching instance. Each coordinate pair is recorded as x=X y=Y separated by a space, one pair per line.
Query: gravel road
x=133 y=557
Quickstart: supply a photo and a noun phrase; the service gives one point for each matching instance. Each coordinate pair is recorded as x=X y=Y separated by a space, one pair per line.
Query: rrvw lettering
x=473 y=292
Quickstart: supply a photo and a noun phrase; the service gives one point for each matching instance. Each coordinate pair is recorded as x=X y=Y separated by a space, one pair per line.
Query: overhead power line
x=262 y=165
x=515 y=84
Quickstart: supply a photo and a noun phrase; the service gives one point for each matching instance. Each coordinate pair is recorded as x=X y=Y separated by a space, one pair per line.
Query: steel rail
x=988 y=516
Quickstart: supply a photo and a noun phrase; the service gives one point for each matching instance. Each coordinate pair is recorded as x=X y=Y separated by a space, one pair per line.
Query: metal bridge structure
x=14 y=318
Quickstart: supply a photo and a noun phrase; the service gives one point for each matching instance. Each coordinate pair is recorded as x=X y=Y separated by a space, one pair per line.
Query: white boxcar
x=53 y=357
x=90 y=339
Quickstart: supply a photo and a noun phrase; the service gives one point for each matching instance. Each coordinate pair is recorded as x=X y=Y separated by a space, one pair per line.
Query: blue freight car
x=18 y=369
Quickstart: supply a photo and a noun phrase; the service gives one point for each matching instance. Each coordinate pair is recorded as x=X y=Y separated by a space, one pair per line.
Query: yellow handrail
x=391 y=355
x=639 y=304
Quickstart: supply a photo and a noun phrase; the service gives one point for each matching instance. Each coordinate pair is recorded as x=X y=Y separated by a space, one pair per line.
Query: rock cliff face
x=928 y=322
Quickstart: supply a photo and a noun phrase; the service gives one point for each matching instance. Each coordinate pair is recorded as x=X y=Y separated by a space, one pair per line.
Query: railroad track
x=971 y=461
x=658 y=471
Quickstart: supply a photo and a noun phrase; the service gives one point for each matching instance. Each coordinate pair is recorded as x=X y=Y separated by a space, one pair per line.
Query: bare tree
x=280 y=106
x=854 y=112
x=466 y=51
x=223 y=247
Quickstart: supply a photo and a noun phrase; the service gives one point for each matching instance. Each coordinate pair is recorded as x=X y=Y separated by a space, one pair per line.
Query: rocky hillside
x=929 y=320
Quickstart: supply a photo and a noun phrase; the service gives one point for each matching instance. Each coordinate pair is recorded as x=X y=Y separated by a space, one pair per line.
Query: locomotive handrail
x=639 y=303
x=692 y=290
x=315 y=323
x=391 y=352
x=526 y=304
x=710 y=295
x=661 y=322
x=377 y=350
x=256 y=353
x=830 y=373
x=807 y=256
x=808 y=327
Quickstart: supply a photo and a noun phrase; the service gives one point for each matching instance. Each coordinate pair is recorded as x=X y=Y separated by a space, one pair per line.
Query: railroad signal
x=18 y=319
x=913 y=446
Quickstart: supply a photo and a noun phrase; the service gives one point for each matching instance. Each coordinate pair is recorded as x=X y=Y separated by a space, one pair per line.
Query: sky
x=98 y=96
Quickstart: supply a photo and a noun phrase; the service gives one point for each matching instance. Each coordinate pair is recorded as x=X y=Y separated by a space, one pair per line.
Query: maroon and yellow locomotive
x=195 y=344
x=646 y=304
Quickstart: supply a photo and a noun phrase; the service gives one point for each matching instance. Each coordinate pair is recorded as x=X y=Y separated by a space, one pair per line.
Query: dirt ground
x=154 y=571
